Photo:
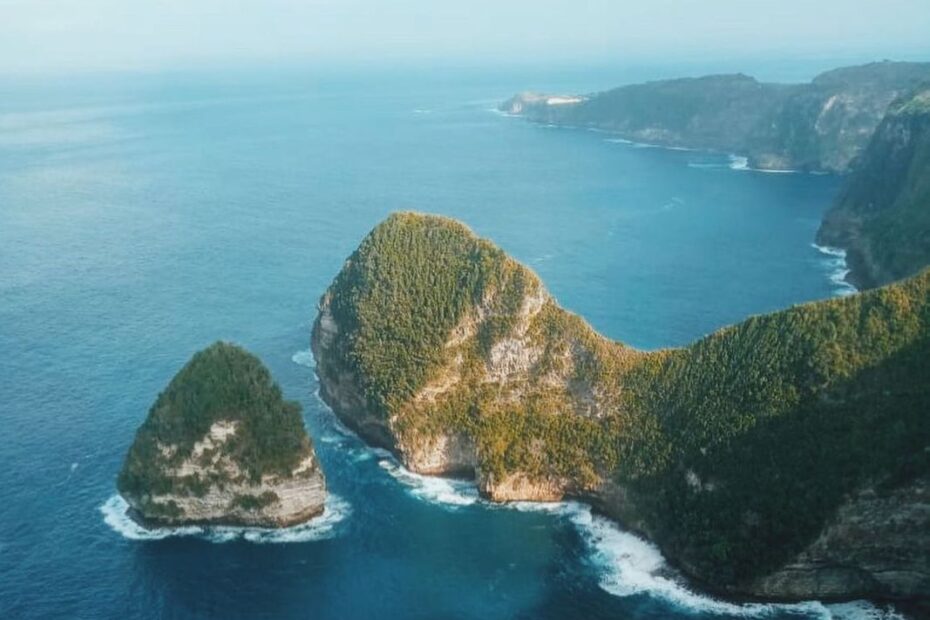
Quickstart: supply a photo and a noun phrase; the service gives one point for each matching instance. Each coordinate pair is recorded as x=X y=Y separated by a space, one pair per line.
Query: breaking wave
x=336 y=510
x=835 y=262
x=626 y=564
x=738 y=162
x=445 y=492
x=304 y=358
x=629 y=565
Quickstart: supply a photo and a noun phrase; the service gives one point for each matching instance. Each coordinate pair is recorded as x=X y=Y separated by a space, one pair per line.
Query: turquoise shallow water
x=143 y=217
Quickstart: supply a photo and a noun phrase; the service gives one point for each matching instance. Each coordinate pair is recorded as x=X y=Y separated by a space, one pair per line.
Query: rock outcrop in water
x=784 y=457
x=819 y=126
x=882 y=215
x=221 y=446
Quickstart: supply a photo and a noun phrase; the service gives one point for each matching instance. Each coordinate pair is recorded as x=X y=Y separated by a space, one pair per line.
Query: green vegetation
x=784 y=415
x=404 y=289
x=221 y=383
x=882 y=215
x=734 y=451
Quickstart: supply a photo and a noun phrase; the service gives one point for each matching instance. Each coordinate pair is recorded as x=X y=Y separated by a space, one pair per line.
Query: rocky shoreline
x=221 y=447
x=867 y=545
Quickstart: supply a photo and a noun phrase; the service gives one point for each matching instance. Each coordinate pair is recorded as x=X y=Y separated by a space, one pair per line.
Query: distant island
x=822 y=125
x=783 y=458
x=871 y=120
x=220 y=446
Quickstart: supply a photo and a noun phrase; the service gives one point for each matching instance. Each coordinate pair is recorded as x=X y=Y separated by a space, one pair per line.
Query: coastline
x=155 y=524
x=842 y=275
x=628 y=561
x=118 y=515
x=841 y=272
x=738 y=161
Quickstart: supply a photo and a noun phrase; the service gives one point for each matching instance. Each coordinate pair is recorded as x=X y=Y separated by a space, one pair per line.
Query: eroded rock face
x=451 y=455
x=273 y=501
x=221 y=447
x=881 y=217
x=876 y=543
x=523 y=488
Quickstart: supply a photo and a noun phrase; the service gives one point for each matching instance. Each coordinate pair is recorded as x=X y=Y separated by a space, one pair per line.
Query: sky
x=56 y=35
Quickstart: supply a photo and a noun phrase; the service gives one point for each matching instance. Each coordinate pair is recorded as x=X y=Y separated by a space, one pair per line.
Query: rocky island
x=785 y=457
x=221 y=446
x=822 y=125
x=882 y=214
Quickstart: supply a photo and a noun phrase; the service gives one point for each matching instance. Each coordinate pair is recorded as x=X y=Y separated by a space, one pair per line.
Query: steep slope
x=819 y=126
x=765 y=459
x=221 y=446
x=882 y=215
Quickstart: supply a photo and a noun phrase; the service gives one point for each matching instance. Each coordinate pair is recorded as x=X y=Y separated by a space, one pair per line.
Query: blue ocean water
x=143 y=217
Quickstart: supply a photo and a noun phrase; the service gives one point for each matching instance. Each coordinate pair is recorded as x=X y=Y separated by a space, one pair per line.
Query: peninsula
x=785 y=457
x=822 y=125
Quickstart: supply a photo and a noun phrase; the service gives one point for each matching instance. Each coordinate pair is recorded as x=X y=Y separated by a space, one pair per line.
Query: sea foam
x=336 y=510
x=626 y=564
x=835 y=263
x=629 y=565
x=445 y=492
x=304 y=358
x=738 y=162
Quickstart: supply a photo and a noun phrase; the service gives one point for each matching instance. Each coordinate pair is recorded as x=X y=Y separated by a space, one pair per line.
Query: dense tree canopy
x=735 y=449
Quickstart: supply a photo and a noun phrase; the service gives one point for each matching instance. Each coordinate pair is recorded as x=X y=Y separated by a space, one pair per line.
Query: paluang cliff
x=785 y=457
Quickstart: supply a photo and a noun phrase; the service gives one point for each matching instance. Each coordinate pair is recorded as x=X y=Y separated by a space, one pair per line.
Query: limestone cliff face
x=341 y=388
x=508 y=362
x=276 y=500
x=221 y=447
x=876 y=542
x=822 y=125
x=882 y=214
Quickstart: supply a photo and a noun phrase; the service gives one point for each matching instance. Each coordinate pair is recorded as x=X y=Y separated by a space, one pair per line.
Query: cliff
x=822 y=125
x=221 y=446
x=882 y=214
x=784 y=457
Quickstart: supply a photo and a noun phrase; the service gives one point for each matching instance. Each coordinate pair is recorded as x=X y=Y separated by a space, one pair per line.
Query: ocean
x=143 y=217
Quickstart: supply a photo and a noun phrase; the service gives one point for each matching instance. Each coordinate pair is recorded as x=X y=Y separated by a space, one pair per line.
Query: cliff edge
x=882 y=214
x=220 y=446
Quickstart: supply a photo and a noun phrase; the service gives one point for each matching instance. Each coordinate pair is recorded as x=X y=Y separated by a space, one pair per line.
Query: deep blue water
x=143 y=217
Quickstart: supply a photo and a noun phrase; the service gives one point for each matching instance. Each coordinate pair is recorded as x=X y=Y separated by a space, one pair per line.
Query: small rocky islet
x=221 y=446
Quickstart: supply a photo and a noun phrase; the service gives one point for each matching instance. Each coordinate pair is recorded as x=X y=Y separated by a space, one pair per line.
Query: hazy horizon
x=39 y=36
